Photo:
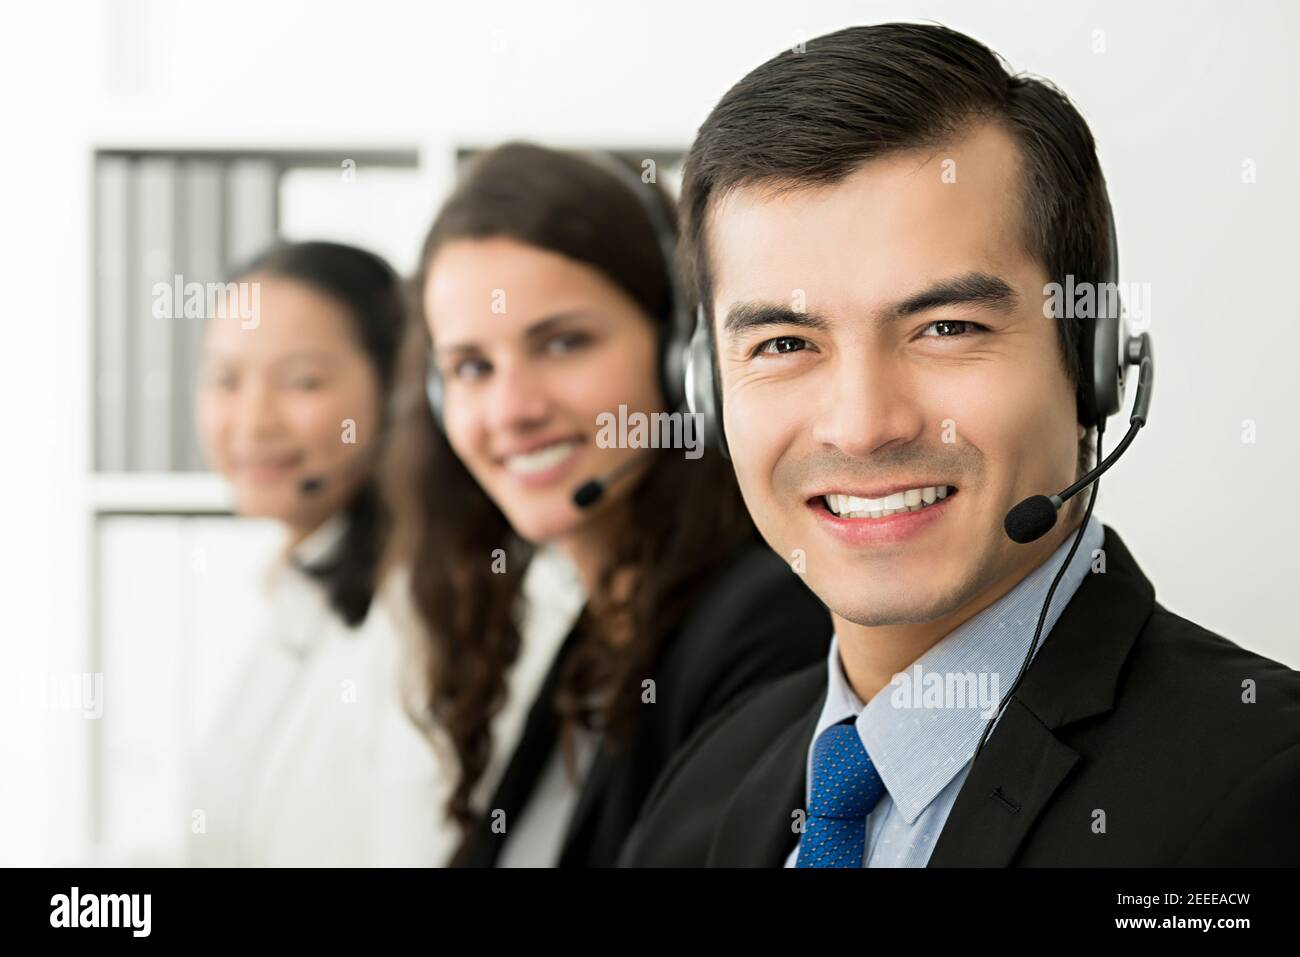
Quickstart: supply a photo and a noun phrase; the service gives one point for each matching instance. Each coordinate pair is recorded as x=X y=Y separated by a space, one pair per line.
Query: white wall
x=1182 y=95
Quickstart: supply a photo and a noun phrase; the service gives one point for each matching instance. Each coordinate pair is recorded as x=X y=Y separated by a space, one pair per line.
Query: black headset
x=674 y=341
x=1106 y=350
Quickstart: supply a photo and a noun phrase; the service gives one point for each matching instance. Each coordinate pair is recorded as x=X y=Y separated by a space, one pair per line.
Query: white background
x=1181 y=97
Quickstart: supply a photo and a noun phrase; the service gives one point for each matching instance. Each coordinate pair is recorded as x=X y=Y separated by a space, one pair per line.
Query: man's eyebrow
x=973 y=288
x=534 y=331
x=744 y=316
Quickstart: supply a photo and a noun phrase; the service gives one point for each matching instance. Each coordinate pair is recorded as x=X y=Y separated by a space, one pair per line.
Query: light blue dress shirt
x=922 y=746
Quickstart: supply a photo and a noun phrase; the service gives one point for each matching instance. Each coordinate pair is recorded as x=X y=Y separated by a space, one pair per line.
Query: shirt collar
x=917 y=747
x=551 y=576
x=320 y=543
x=296 y=602
x=318 y=546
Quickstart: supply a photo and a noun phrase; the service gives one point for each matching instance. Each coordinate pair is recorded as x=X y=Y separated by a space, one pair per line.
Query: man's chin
x=879 y=616
x=898 y=601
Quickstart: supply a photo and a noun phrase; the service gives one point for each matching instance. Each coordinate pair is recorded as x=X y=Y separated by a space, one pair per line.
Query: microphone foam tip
x=587 y=494
x=1030 y=520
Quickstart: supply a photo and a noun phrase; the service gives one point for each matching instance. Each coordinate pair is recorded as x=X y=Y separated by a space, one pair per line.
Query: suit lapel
x=756 y=827
x=519 y=780
x=593 y=789
x=1073 y=677
x=1018 y=771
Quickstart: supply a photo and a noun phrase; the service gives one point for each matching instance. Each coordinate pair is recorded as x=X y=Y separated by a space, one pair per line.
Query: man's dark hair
x=813 y=117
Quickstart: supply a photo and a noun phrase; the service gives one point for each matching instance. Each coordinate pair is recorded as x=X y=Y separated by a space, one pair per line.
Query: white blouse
x=315 y=761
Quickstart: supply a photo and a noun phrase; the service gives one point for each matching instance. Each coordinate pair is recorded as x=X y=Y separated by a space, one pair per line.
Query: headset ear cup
x=1104 y=365
x=1087 y=396
x=672 y=365
x=433 y=391
x=1102 y=344
x=715 y=390
x=701 y=386
x=675 y=341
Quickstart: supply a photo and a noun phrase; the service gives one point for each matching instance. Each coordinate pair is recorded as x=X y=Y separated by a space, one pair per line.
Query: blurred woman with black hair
x=571 y=651
x=314 y=761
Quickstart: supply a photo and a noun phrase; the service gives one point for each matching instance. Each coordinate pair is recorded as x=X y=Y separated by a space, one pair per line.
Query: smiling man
x=871 y=226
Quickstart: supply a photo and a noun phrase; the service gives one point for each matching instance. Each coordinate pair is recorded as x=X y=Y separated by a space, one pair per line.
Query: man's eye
x=955 y=328
x=780 y=345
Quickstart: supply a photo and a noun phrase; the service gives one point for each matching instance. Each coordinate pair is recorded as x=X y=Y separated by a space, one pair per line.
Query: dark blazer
x=1127 y=709
x=754 y=621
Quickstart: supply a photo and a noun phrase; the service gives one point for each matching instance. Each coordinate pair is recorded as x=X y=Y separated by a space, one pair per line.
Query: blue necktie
x=845 y=787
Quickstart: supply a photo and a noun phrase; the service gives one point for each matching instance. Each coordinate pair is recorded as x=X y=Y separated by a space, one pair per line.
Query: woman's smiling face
x=532 y=347
x=291 y=398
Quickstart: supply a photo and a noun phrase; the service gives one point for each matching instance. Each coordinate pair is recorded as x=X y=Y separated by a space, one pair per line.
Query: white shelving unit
x=185 y=493
x=168 y=591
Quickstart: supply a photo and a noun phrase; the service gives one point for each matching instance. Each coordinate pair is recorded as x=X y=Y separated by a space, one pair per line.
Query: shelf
x=160 y=493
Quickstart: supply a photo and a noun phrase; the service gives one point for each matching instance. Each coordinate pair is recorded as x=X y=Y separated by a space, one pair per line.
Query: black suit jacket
x=755 y=621
x=1127 y=709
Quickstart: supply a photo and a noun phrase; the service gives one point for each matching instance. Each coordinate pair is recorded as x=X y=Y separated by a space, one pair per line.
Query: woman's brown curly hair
x=688 y=514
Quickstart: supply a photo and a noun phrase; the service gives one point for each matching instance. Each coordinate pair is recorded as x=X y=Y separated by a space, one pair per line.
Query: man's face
x=883 y=334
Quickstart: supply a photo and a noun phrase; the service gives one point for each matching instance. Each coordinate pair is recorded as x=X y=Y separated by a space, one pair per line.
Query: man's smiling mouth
x=919 y=498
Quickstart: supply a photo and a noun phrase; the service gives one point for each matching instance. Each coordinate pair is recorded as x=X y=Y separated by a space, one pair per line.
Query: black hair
x=372 y=295
x=813 y=117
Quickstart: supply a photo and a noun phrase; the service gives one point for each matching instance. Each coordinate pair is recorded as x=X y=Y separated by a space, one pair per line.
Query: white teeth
x=527 y=463
x=912 y=500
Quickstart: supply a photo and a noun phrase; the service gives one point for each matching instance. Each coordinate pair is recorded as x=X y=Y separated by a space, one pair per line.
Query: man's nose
x=868 y=406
